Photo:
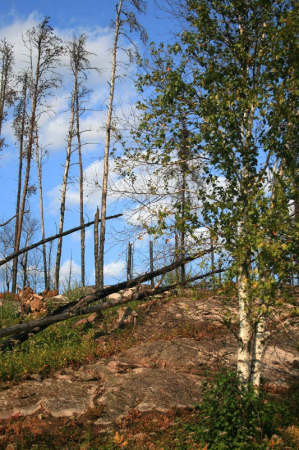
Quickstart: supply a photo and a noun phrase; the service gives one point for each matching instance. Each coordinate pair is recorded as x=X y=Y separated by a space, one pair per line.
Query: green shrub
x=8 y=312
x=51 y=349
x=232 y=416
x=73 y=290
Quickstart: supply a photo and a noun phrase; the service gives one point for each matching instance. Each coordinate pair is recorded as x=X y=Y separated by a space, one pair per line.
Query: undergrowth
x=61 y=345
x=233 y=416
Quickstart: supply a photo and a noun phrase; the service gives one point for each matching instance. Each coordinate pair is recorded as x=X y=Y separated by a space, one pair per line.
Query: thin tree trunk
x=107 y=147
x=49 y=264
x=183 y=167
x=24 y=264
x=182 y=234
x=63 y=193
x=21 y=152
x=96 y=247
x=2 y=91
x=41 y=206
x=151 y=255
x=82 y=238
x=129 y=262
x=49 y=239
x=212 y=261
x=176 y=253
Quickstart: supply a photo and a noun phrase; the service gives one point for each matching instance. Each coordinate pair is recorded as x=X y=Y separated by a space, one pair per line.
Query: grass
x=8 y=313
x=60 y=345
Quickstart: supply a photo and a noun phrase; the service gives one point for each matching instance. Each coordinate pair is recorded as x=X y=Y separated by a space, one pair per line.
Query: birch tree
x=44 y=48
x=238 y=60
x=123 y=17
x=162 y=148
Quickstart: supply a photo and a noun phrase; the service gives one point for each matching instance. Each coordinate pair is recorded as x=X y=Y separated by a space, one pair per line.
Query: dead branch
x=9 y=220
x=51 y=238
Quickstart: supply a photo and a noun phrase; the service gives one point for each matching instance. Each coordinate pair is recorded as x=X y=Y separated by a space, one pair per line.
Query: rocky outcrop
x=164 y=371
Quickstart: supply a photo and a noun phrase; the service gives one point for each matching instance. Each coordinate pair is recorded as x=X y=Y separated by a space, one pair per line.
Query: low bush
x=233 y=416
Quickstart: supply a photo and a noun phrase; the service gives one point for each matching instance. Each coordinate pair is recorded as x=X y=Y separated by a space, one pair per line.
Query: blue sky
x=71 y=18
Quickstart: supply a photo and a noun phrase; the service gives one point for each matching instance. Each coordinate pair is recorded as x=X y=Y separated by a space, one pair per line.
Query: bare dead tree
x=6 y=246
x=123 y=17
x=8 y=258
x=7 y=93
x=29 y=229
x=63 y=191
x=79 y=65
x=20 y=128
x=39 y=155
x=96 y=246
x=44 y=48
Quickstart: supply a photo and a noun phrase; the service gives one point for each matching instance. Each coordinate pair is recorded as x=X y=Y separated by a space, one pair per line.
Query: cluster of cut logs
x=29 y=302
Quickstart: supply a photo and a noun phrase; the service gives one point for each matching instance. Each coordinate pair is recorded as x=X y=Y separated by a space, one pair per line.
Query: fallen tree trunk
x=104 y=292
x=51 y=238
x=24 y=330
x=140 y=293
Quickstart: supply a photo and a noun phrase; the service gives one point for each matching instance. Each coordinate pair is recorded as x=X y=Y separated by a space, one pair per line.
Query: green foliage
x=53 y=348
x=225 y=94
x=232 y=416
x=8 y=312
x=59 y=345
x=72 y=290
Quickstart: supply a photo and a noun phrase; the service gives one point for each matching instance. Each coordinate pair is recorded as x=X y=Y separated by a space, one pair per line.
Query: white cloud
x=115 y=269
x=53 y=126
x=77 y=236
x=14 y=34
x=69 y=270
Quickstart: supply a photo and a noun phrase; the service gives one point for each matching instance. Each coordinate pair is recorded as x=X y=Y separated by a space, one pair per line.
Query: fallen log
x=139 y=294
x=51 y=238
x=22 y=330
x=104 y=292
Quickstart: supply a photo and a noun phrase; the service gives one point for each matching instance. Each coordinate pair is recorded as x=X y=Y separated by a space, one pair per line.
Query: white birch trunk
x=244 y=354
x=258 y=352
